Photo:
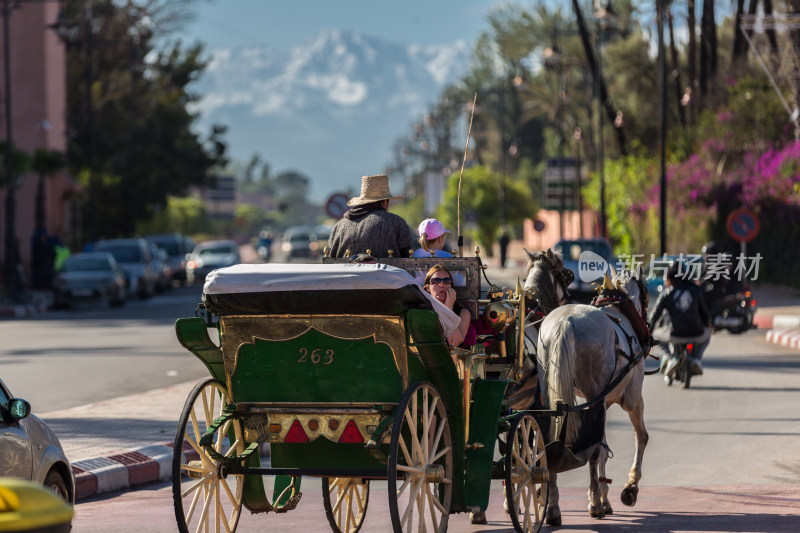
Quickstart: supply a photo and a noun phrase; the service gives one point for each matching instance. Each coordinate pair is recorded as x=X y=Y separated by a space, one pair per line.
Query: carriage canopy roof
x=339 y=288
x=247 y=278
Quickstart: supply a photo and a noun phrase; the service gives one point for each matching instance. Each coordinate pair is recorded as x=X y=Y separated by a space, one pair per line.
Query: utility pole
x=10 y=266
x=662 y=90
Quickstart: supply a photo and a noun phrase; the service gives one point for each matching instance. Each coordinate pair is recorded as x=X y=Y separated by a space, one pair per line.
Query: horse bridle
x=565 y=277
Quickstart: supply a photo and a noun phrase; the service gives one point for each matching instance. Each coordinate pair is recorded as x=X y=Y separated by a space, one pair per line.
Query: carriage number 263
x=316 y=356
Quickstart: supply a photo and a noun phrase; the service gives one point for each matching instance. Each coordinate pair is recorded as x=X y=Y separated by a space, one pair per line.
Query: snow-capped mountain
x=330 y=109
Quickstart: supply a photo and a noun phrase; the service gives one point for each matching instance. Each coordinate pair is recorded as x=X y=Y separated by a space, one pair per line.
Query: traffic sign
x=743 y=225
x=336 y=205
x=538 y=225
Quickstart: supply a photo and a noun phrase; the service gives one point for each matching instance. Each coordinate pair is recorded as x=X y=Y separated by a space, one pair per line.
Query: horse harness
x=609 y=297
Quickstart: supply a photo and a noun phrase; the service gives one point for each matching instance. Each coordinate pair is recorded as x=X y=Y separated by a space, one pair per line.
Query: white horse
x=580 y=353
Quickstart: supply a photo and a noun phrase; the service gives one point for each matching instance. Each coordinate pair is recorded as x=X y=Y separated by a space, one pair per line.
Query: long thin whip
x=461 y=175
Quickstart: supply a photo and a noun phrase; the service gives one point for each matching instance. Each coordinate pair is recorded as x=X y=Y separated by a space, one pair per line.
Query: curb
x=783 y=329
x=23 y=310
x=777 y=321
x=789 y=337
x=122 y=470
x=130 y=468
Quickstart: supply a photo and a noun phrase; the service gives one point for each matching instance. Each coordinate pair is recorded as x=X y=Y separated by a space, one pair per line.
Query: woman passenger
x=439 y=282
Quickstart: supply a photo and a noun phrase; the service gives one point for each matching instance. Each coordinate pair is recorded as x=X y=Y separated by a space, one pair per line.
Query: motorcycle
x=732 y=311
x=684 y=353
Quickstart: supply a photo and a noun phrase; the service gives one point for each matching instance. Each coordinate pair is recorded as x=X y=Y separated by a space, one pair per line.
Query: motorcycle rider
x=683 y=301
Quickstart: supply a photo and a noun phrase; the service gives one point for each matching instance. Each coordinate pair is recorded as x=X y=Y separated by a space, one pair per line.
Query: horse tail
x=560 y=374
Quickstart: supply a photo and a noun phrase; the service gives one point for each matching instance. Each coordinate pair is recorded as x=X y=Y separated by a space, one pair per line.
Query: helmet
x=677 y=271
x=710 y=248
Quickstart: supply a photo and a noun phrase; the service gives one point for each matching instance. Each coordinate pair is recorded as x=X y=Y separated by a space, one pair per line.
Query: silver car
x=134 y=258
x=90 y=276
x=208 y=256
x=30 y=450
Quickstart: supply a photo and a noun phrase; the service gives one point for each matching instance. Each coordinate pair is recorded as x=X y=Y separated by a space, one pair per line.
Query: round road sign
x=538 y=225
x=336 y=206
x=743 y=225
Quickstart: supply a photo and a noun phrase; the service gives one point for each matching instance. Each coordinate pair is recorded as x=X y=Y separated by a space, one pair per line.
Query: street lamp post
x=501 y=117
x=662 y=67
x=577 y=136
x=553 y=60
x=10 y=266
x=66 y=32
x=606 y=20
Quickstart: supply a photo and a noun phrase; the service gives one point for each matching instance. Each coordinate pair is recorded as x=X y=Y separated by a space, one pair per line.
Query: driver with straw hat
x=367 y=225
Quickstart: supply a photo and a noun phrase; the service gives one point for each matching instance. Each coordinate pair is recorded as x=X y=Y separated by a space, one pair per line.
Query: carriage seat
x=466 y=273
x=347 y=289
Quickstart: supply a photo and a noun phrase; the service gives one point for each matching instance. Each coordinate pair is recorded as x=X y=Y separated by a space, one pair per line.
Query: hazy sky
x=283 y=24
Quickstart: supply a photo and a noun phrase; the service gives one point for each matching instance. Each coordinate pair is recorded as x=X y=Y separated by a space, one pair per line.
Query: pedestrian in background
x=503 y=247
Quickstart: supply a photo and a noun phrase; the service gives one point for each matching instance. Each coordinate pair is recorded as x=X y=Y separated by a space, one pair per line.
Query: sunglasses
x=438 y=281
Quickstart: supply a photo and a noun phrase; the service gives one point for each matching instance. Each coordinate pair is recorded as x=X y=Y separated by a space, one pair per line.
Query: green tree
x=134 y=133
x=481 y=215
x=185 y=215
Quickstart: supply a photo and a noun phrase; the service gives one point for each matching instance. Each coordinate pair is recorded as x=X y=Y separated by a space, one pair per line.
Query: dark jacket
x=686 y=307
x=375 y=229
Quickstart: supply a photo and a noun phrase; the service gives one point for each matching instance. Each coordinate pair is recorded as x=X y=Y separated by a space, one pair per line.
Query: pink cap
x=432 y=228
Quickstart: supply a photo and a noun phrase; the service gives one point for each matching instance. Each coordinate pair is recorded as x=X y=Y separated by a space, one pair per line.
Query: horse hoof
x=607 y=508
x=553 y=518
x=629 y=494
x=596 y=511
x=478 y=518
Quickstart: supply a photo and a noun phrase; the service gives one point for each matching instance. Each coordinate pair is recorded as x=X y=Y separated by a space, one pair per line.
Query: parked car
x=162 y=267
x=571 y=251
x=208 y=256
x=177 y=247
x=299 y=241
x=89 y=276
x=30 y=450
x=135 y=259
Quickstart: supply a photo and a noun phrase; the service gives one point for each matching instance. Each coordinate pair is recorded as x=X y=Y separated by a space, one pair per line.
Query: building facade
x=37 y=75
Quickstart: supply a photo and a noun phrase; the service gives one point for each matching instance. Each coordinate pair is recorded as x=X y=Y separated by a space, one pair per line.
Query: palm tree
x=21 y=162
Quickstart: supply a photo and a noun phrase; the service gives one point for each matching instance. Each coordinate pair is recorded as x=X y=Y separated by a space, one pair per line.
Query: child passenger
x=431 y=239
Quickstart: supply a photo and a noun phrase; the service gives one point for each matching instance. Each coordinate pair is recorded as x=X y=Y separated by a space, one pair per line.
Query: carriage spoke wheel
x=345 y=500
x=526 y=474
x=420 y=462
x=205 y=498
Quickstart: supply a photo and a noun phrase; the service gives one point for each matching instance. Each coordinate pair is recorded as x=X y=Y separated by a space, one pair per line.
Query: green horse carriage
x=343 y=371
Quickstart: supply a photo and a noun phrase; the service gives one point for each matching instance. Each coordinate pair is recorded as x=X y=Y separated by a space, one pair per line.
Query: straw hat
x=373 y=189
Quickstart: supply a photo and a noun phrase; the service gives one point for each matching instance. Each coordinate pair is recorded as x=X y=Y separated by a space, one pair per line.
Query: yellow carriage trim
x=298 y=426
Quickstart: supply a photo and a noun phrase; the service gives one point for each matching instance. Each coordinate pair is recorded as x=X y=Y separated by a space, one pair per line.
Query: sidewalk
x=34 y=303
x=779 y=312
x=104 y=440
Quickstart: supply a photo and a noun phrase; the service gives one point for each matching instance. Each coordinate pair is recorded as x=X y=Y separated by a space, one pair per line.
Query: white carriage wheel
x=526 y=474
x=205 y=499
x=420 y=462
x=345 y=500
